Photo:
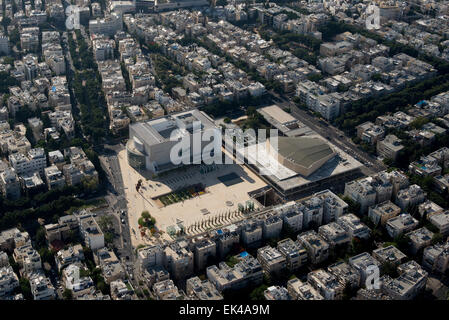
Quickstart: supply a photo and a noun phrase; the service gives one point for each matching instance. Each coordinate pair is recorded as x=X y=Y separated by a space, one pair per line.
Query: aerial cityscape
x=227 y=150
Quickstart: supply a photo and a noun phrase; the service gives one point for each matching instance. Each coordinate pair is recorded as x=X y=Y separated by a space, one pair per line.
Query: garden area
x=182 y=194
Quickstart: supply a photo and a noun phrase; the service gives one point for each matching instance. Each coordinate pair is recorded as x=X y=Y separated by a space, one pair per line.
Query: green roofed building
x=304 y=155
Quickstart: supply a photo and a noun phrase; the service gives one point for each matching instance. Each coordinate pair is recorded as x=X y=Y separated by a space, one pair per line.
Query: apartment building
x=65 y=257
x=8 y=281
x=204 y=251
x=382 y=212
x=370 y=133
x=364 y=263
x=108 y=25
x=66 y=227
x=10 y=184
x=41 y=288
x=410 y=196
x=334 y=234
x=419 y=239
x=441 y=221
x=90 y=232
x=202 y=289
x=317 y=248
x=150 y=256
x=226 y=239
x=401 y=224
x=272 y=261
x=276 y=293
x=166 y=290
x=73 y=281
x=411 y=281
x=436 y=258
x=54 y=177
x=354 y=227
x=326 y=284
x=251 y=233
x=345 y=274
x=110 y=265
x=302 y=290
x=389 y=147
x=25 y=165
x=13 y=238
x=246 y=272
x=389 y=254
x=295 y=254
x=179 y=260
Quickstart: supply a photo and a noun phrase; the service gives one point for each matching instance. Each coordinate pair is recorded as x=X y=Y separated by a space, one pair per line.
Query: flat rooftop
x=304 y=151
x=285 y=179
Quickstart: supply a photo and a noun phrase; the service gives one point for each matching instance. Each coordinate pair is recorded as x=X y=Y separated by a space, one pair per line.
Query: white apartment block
x=302 y=290
x=354 y=227
x=317 y=248
x=410 y=196
x=295 y=254
x=436 y=258
x=401 y=224
x=272 y=261
x=41 y=288
x=363 y=263
x=108 y=25
x=8 y=281
x=326 y=284
x=441 y=221
x=25 y=165
x=91 y=232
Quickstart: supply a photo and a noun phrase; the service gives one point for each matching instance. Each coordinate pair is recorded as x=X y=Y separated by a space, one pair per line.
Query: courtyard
x=175 y=198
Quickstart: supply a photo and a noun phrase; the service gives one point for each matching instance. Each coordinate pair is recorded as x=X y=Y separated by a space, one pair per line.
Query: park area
x=181 y=195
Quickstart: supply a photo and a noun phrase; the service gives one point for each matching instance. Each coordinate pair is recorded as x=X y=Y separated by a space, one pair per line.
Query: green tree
x=258 y=293
x=67 y=294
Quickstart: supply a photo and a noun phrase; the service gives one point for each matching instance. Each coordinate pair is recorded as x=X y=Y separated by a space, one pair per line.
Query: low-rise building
x=364 y=263
x=401 y=224
x=65 y=257
x=354 y=227
x=302 y=290
x=411 y=281
x=334 y=234
x=246 y=272
x=272 y=261
x=382 y=212
x=345 y=274
x=436 y=258
x=317 y=248
x=110 y=265
x=199 y=289
x=419 y=239
x=441 y=221
x=90 y=232
x=41 y=288
x=326 y=284
x=389 y=254
x=276 y=293
x=295 y=254
x=8 y=281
